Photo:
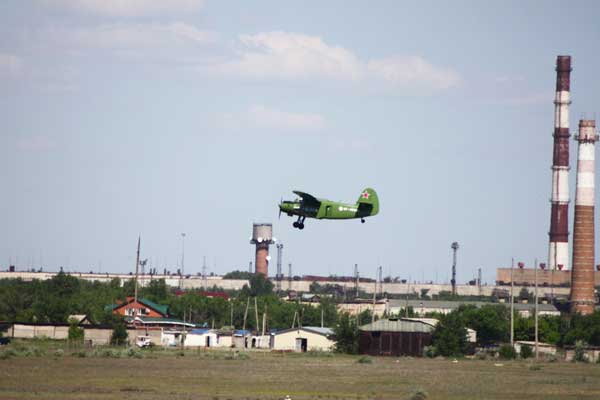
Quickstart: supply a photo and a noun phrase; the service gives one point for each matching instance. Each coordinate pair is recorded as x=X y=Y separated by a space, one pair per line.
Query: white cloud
x=132 y=36
x=260 y=116
x=35 y=143
x=293 y=56
x=10 y=65
x=129 y=8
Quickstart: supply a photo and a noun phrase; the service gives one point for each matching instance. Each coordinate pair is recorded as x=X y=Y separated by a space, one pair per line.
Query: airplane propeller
x=280 y=203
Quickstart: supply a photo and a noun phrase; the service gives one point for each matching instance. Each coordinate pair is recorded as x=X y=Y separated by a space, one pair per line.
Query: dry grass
x=219 y=375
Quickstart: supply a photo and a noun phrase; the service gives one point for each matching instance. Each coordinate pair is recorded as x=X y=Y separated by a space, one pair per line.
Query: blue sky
x=155 y=117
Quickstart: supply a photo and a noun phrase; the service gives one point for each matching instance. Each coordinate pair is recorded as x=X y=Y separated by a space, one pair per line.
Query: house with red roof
x=142 y=308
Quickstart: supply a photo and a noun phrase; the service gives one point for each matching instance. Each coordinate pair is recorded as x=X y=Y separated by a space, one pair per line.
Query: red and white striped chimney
x=582 y=275
x=558 y=252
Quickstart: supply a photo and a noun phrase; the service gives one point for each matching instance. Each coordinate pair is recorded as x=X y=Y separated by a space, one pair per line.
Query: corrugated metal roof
x=318 y=329
x=397 y=325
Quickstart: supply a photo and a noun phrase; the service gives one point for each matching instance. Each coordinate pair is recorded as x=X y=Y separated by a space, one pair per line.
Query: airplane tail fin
x=368 y=201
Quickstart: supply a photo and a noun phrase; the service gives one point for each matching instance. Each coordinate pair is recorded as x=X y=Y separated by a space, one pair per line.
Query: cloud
x=293 y=56
x=35 y=143
x=138 y=36
x=267 y=118
x=10 y=65
x=128 y=8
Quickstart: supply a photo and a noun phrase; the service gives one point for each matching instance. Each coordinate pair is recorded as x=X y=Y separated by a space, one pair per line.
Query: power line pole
x=279 y=272
x=512 y=303
x=454 y=247
x=290 y=276
x=137 y=269
x=536 y=310
x=356 y=279
x=182 y=260
x=204 y=274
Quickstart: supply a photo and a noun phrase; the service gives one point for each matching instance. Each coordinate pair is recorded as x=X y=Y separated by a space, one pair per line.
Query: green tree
x=526 y=351
x=119 y=334
x=450 y=335
x=76 y=333
x=347 y=335
x=259 y=286
x=492 y=322
x=156 y=291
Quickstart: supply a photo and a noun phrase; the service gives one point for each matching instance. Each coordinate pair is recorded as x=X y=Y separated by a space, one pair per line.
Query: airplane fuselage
x=327 y=210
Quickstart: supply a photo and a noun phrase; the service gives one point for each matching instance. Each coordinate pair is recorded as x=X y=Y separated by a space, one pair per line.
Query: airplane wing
x=307 y=198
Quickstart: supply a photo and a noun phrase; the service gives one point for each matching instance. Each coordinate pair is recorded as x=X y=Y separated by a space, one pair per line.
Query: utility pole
x=454 y=247
x=380 y=279
x=204 y=274
x=279 y=272
x=536 y=310
x=356 y=280
x=512 y=303
x=246 y=314
x=137 y=270
x=479 y=280
x=374 y=301
x=182 y=260
x=250 y=267
x=290 y=276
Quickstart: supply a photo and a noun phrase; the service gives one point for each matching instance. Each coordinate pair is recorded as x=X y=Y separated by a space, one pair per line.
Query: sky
x=121 y=118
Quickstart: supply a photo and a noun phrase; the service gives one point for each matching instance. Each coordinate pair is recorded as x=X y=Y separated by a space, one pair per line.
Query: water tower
x=262 y=237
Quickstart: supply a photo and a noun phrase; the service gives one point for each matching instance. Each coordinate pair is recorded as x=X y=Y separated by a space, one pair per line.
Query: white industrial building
x=307 y=338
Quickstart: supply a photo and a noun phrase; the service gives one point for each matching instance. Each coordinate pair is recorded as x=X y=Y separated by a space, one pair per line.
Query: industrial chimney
x=558 y=252
x=582 y=274
x=262 y=237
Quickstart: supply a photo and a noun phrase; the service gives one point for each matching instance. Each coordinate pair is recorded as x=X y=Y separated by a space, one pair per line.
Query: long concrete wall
x=196 y=282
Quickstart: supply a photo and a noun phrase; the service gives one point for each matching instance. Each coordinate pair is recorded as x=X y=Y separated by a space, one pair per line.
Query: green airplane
x=308 y=206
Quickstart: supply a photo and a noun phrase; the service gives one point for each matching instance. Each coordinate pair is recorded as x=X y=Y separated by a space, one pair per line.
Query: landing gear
x=362 y=220
x=300 y=223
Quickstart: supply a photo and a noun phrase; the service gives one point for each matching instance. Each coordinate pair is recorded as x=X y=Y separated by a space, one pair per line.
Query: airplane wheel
x=301 y=226
x=295 y=224
x=362 y=221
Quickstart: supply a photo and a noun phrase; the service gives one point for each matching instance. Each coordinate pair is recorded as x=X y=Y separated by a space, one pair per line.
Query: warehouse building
x=306 y=338
x=395 y=337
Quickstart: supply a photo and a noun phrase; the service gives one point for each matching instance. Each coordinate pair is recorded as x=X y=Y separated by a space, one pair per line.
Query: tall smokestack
x=262 y=237
x=582 y=275
x=558 y=252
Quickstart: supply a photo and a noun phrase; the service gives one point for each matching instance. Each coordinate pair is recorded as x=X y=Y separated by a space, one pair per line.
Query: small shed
x=201 y=338
x=306 y=338
x=395 y=337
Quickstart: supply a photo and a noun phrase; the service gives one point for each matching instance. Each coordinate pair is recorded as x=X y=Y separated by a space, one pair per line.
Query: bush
x=580 y=355
x=76 y=333
x=131 y=352
x=6 y=354
x=507 y=352
x=364 y=360
x=80 y=354
x=33 y=352
x=526 y=351
x=418 y=394
x=430 y=351
x=107 y=353
x=59 y=353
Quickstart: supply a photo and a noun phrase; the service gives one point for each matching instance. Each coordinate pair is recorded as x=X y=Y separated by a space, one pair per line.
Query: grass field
x=66 y=374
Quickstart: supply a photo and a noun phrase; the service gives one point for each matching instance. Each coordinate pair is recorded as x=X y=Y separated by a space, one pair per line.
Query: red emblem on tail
x=365 y=195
